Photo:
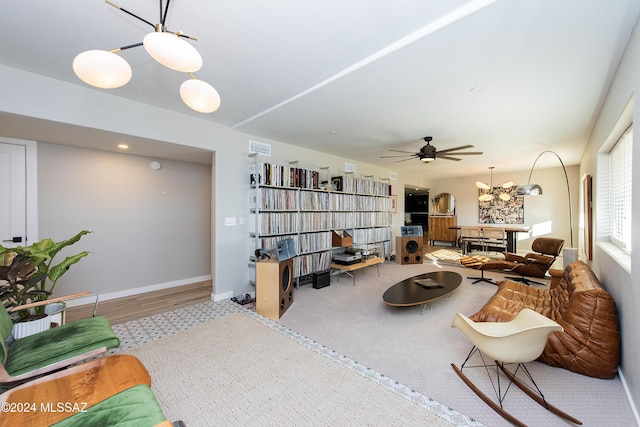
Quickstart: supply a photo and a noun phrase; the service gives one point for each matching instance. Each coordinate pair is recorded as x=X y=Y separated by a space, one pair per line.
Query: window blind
x=620 y=163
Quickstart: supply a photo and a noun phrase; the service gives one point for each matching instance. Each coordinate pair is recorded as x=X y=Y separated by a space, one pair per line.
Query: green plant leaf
x=53 y=248
x=31 y=275
x=60 y=269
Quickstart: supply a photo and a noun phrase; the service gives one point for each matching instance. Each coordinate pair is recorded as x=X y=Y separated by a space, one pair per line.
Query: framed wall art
x=500 y=209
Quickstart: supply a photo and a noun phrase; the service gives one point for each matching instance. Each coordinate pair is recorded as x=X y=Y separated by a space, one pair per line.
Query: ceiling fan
x=429 y=153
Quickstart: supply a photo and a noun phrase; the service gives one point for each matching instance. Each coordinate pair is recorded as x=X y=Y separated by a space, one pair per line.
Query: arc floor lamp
x=529 y=189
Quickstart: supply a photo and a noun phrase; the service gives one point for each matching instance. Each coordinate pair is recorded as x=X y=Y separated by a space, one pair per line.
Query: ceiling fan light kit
x=106 y=70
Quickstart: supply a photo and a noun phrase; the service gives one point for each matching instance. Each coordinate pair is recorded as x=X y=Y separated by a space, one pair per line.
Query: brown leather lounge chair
x=545 y=250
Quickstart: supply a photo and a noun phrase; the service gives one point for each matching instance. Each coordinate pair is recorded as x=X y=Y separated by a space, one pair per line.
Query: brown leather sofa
x=590 y=342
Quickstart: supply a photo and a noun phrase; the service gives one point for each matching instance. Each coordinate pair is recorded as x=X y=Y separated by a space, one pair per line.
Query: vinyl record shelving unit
x=291 y=202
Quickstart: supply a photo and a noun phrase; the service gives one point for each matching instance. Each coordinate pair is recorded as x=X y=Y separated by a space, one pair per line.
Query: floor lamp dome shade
x=172 y=52
x=528 y=190
x=200 y=96
x=101 y=68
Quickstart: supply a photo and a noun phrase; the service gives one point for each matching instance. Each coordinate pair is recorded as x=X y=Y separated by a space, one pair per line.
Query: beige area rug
x=237 y=371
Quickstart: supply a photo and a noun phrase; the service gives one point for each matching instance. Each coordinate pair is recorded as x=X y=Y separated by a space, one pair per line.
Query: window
x=620 y=163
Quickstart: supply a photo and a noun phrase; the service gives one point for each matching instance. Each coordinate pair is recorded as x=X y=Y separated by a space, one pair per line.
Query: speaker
x=409 y=249
x=274 y=287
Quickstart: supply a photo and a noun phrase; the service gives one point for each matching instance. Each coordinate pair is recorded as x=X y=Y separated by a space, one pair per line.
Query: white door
x=12 y=195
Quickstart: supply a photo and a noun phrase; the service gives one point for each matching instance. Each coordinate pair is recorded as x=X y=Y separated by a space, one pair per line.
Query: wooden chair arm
x=49 y=301
x=89 y=383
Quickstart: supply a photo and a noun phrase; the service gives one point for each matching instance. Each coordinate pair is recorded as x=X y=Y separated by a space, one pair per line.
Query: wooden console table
x=348 y=269
x=441 y=228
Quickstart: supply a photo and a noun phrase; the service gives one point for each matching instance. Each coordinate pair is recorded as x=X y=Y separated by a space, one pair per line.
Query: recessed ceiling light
x=123 y=146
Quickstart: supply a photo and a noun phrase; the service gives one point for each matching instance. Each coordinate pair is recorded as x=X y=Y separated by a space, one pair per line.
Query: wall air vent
x=393 y=176
x=260 y=148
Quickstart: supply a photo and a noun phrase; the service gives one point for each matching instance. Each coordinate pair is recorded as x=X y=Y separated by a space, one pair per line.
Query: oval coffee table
x=422 y=289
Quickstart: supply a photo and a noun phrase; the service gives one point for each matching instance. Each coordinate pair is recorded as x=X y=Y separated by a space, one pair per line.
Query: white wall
x=617 y=277
x=149 y=227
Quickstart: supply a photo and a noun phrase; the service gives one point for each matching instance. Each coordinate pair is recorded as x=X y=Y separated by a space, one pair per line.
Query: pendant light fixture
x=488 y=195
x=105 y=69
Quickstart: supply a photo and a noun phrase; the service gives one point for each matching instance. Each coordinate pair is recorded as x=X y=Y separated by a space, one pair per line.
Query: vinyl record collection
x=287 y=202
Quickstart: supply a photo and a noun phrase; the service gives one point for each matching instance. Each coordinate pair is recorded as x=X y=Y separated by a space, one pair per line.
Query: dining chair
x=470 y=236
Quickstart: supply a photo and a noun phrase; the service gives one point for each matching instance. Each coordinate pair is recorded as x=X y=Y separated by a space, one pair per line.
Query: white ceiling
x=360 y=77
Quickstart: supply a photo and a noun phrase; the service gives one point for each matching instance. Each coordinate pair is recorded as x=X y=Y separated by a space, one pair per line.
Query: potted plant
x=30 y=275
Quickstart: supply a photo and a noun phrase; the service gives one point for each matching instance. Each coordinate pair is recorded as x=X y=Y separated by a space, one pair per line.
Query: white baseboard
x=220 y=297
x=136 y=291
x=634 y=409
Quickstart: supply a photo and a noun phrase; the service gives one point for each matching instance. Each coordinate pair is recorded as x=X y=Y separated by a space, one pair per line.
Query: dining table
x=511 y=230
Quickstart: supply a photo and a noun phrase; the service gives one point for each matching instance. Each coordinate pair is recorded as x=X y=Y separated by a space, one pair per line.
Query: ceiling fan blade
x=388 y=157
x=401 y=151
x=462 y=147
x=410 y=158
x=474 y=153
x=447 y=158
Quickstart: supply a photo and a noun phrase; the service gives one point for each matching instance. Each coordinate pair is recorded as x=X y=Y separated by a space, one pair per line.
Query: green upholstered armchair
x=30 y=357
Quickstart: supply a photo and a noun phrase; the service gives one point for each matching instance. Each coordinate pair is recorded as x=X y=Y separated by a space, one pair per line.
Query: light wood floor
x=122 y=310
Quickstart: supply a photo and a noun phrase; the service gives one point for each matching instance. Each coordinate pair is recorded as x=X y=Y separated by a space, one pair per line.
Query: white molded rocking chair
x=518 y=341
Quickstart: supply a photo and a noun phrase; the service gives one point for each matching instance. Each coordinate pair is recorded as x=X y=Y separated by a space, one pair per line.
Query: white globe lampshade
x=101 y=68
x=505 y=197
x=172 y=52
x=485 y=197
x=482 y=185
x=200 y=96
